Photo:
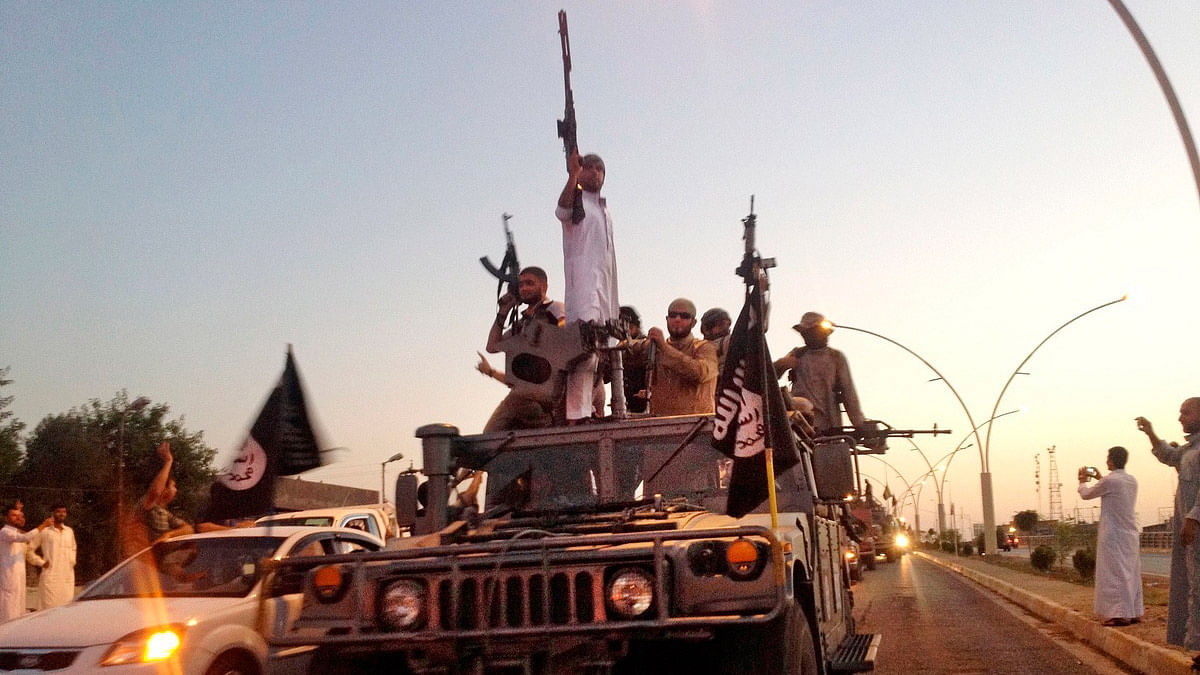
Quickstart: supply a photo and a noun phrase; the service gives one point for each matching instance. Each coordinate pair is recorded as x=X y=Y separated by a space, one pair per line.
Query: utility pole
x=1056 y=512
x=1037 y=480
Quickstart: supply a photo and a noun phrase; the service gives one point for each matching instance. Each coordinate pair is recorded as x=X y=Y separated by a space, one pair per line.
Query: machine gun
x=509 y=269
x=872 y=435
x=566 y=126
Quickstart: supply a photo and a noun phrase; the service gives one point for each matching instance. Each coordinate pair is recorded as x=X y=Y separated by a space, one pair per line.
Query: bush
x=1042 y=558
x=966 y=548
x=1085 y=562
x=948 y=546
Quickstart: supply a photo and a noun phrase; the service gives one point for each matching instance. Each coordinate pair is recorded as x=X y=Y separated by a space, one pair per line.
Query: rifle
x=508 y=270
x=874 y=432
x=566 y=126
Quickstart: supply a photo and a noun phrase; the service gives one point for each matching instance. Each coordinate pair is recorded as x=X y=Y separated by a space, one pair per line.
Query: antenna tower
x=1055 y=487
x=1037 y=480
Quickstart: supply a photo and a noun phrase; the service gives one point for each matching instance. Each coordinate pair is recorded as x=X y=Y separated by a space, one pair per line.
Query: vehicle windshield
x=306 y=521
x=207 y=567
x=582 y=477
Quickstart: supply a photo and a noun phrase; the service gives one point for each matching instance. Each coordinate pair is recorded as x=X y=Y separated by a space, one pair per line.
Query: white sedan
x=188 y=605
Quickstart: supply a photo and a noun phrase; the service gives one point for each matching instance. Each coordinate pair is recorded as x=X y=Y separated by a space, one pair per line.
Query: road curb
x=1136 y=653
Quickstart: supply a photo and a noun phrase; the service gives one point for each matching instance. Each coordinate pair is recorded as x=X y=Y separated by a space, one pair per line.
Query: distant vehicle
x=377 y=519
x=184 y=605
x=854 y=563
x=1009 y=542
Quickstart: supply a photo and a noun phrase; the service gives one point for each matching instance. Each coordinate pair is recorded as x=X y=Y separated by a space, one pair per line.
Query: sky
x=188 y=188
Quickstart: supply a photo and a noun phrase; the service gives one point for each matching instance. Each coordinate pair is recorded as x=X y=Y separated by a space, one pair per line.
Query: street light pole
x=382 y=483
x=985 y=474
x=134 y=406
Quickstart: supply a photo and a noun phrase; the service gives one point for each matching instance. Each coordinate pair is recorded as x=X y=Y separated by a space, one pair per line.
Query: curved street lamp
x=984 y=445
x=985 y=475
x=382 y=485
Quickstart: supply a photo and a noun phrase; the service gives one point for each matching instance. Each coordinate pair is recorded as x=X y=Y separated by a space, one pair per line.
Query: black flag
x=750 y=413
x=281 y=443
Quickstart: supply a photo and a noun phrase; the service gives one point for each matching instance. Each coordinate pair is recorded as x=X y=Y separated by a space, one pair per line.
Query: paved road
x=934 y=621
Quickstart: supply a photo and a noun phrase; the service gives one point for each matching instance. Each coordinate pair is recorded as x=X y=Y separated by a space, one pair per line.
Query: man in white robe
x=12 y=563
x=589 y=265
x=56 y=583
x=1118 y=558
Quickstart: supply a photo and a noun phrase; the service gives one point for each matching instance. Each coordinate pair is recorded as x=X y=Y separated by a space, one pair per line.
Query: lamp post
x=985 y=474
x=382 y=483
x=133 y=406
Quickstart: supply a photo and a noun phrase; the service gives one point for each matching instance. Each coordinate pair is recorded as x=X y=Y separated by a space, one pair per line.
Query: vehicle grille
x=518 y=599
x=36 y=659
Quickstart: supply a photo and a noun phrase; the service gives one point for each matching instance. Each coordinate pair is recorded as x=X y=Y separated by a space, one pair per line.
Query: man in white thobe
x=12 y=563
x=589 y=265
x=56 y=583
x=1118 y=558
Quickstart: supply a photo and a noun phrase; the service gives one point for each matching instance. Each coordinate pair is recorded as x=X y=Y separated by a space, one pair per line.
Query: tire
x=783 y=647
x=891 y=556
x=870 y=560
x=233 y=663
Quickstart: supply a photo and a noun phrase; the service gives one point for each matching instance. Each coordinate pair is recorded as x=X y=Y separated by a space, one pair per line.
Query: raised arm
x=159 y=484
x=567 y=198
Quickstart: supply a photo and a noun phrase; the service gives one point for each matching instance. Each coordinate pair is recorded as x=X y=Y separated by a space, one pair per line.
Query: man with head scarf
x=820 y=374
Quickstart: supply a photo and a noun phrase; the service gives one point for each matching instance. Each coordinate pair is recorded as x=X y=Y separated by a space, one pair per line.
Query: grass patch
x=1154 y=593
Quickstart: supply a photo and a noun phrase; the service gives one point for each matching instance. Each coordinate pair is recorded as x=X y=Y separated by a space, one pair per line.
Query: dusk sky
x=187 y=188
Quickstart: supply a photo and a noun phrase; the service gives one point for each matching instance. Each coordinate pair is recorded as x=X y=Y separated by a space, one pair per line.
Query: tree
x=1026 y=520
x=10 y=435
x=73 y=458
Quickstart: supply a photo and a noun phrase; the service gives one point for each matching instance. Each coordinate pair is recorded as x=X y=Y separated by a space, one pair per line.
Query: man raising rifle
x=590 y=266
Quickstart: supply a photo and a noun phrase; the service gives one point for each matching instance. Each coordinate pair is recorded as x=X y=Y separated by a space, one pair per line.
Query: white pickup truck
x=377 y=519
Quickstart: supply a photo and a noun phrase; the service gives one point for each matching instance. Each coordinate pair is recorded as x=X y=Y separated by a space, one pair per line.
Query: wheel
x=782 y=647
x=870 y=560
x=233 y=663
x=856 y=572
x=891 y=556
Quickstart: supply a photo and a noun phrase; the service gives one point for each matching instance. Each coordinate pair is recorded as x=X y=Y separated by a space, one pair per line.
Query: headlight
x=145 y=646
x=901 y=540
x=630 y=592
x=403 y=605
x=851 y=556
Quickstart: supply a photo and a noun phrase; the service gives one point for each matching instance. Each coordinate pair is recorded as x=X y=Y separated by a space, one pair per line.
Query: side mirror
x=406 y=500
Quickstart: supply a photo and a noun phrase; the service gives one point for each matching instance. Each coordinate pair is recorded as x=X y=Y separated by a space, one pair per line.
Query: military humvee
x=599 y=548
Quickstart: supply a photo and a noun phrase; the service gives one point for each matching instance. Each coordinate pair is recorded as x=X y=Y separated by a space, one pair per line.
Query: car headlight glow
x=851 y=555
x=901 y=540
x=630 y=592
x=403 y=605
x=145 y=646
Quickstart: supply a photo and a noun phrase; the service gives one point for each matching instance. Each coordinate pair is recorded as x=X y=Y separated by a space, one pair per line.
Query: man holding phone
x=1118 y=558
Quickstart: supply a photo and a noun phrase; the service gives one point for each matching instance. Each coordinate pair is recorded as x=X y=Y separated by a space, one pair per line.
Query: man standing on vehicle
x=1118 y=552
x=12 y=563
x=685 y=372
x=715 y=327
x=516 y=411
x=1183 y=604
x=56 y=583
x=820 y=374
x=590 y=266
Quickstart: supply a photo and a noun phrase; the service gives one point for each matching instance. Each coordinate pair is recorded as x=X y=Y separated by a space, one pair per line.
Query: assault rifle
x=566 y=126
x=508 y=270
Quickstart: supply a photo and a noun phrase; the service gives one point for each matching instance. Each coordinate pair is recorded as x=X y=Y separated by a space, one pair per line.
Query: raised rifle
x=509 y=268
x=566 y=126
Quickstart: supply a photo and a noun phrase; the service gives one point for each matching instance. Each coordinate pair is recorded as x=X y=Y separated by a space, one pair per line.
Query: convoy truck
x=599 y=548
